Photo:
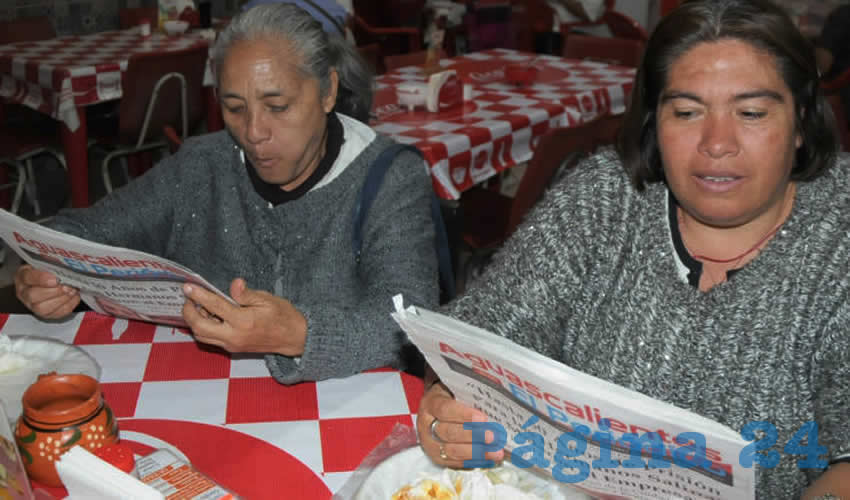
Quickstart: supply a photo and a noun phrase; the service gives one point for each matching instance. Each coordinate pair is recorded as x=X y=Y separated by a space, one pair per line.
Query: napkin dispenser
x=442 y=91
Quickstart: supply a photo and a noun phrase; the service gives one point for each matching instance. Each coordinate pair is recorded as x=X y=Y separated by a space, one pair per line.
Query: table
x=58 y=77
x=499 y=127
x=226 y=414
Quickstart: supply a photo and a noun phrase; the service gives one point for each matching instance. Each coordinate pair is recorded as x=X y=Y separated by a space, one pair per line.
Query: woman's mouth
x=263 y=162
x=718 y=183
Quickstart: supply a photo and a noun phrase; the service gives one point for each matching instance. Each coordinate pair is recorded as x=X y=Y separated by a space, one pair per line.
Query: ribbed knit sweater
x=590 y=279
x=200 y=209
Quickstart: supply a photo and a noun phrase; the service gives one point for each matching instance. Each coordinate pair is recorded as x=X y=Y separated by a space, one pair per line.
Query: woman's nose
x=256 y=130
x=718 y=137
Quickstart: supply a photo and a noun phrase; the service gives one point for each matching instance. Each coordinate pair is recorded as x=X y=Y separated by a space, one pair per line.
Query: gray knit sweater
x=200 y=209
x=590 y=280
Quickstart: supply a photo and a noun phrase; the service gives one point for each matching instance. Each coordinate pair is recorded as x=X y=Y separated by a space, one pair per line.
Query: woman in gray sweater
x=266 y=210
x=707 y=262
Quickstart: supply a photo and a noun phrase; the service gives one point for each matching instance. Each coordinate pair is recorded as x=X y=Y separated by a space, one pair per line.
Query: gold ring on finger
x=433 y=429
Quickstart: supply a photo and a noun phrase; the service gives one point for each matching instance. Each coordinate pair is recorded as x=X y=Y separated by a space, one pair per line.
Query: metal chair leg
x=31 y=188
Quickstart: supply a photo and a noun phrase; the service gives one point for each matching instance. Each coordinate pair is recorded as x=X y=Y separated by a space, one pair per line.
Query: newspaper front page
x=588 y=425
x=111 y=280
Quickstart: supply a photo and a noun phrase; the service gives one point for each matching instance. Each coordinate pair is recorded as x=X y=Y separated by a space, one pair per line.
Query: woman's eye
x=753 y=115
x=683 y=113
x=234 y=109
x=278 y=109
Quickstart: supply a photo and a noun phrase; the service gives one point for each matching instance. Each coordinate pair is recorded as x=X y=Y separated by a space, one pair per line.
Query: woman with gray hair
x=271 y=202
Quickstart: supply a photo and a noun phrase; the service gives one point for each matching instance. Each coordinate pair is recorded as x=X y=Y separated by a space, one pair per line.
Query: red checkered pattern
x=499 y=127
x=225 y=413
x=57 y=75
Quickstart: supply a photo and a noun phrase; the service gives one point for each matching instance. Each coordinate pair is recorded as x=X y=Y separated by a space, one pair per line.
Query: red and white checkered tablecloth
x=57 y=75
x=226 y=414
x=499 y=127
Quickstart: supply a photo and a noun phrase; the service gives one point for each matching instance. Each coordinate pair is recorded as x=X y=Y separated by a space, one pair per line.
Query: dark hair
x=759 y=23
x=319 y=52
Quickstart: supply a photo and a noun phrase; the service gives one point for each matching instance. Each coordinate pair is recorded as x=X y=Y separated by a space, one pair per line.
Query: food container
x=175 y=27
x=61 y=411
x=412 y=94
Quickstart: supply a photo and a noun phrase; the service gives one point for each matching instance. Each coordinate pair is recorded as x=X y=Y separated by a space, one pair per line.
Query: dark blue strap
x=367 y=195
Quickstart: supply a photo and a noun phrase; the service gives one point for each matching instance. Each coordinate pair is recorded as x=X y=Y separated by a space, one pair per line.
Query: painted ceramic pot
x=59 y=412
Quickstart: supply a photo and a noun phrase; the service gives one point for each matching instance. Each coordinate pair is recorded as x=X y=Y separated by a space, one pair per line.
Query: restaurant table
x=500 y=125
x=60 y=76
x=223 y=412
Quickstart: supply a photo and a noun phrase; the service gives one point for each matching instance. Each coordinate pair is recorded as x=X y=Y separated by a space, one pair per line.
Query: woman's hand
x=261 y=322
x=41 y=292
x=456 y=445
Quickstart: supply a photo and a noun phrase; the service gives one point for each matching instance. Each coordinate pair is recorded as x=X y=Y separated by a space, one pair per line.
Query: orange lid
x=119 y=455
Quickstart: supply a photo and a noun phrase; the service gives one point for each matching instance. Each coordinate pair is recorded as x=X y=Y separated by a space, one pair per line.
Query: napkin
x=86 y=476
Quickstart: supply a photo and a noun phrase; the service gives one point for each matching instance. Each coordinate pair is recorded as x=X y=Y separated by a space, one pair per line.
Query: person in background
x=266 y=209
x=705 y=262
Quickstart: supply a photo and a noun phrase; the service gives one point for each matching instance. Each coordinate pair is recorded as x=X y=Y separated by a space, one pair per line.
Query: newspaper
x=111 y=280
x=526 y=392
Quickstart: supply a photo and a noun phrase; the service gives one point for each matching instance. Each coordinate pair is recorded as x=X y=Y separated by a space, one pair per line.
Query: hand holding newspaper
x=111 y=280
x=600 y=437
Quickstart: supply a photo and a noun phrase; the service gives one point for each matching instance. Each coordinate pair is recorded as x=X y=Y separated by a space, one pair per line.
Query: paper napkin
x=86 y=476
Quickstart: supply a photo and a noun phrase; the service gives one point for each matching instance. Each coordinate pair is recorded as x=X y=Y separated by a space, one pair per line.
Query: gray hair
x=318 y=51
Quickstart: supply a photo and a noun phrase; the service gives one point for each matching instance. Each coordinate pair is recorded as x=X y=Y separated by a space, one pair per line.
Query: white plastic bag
x=24 y=358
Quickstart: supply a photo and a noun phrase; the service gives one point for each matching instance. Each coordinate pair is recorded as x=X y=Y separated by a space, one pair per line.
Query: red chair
x=371 y=53
x=612 y=50
x=158 y=89
x=18 y=147
x=26 y=29
x=374 y=22
x=836 y=84
x=489 y=217
x=835 y=91
x=623 y=26
x=129 y=17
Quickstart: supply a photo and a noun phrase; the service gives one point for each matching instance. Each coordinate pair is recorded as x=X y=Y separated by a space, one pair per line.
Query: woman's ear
x=329 y=101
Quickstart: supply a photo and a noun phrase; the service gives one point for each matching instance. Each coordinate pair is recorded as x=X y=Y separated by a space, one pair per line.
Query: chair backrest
x=26 y=29
x=140 y=81
x=614 y=50
x=417 y=58
x=840 y=119
x=129 y=17
x=371 y=53
x=623 y=26
x=557 y=149
x=836 y=84
x=837 y=92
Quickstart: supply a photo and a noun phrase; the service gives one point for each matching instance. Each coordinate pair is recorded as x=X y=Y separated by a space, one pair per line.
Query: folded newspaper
x=600 y=437
x=112 y=280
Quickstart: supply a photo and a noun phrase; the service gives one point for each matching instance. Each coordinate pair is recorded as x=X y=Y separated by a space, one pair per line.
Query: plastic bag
x=400 y=438
x=24 y=358
x=398 y=461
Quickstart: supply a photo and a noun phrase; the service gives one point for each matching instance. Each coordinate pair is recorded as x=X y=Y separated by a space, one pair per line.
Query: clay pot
x=59 y=412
